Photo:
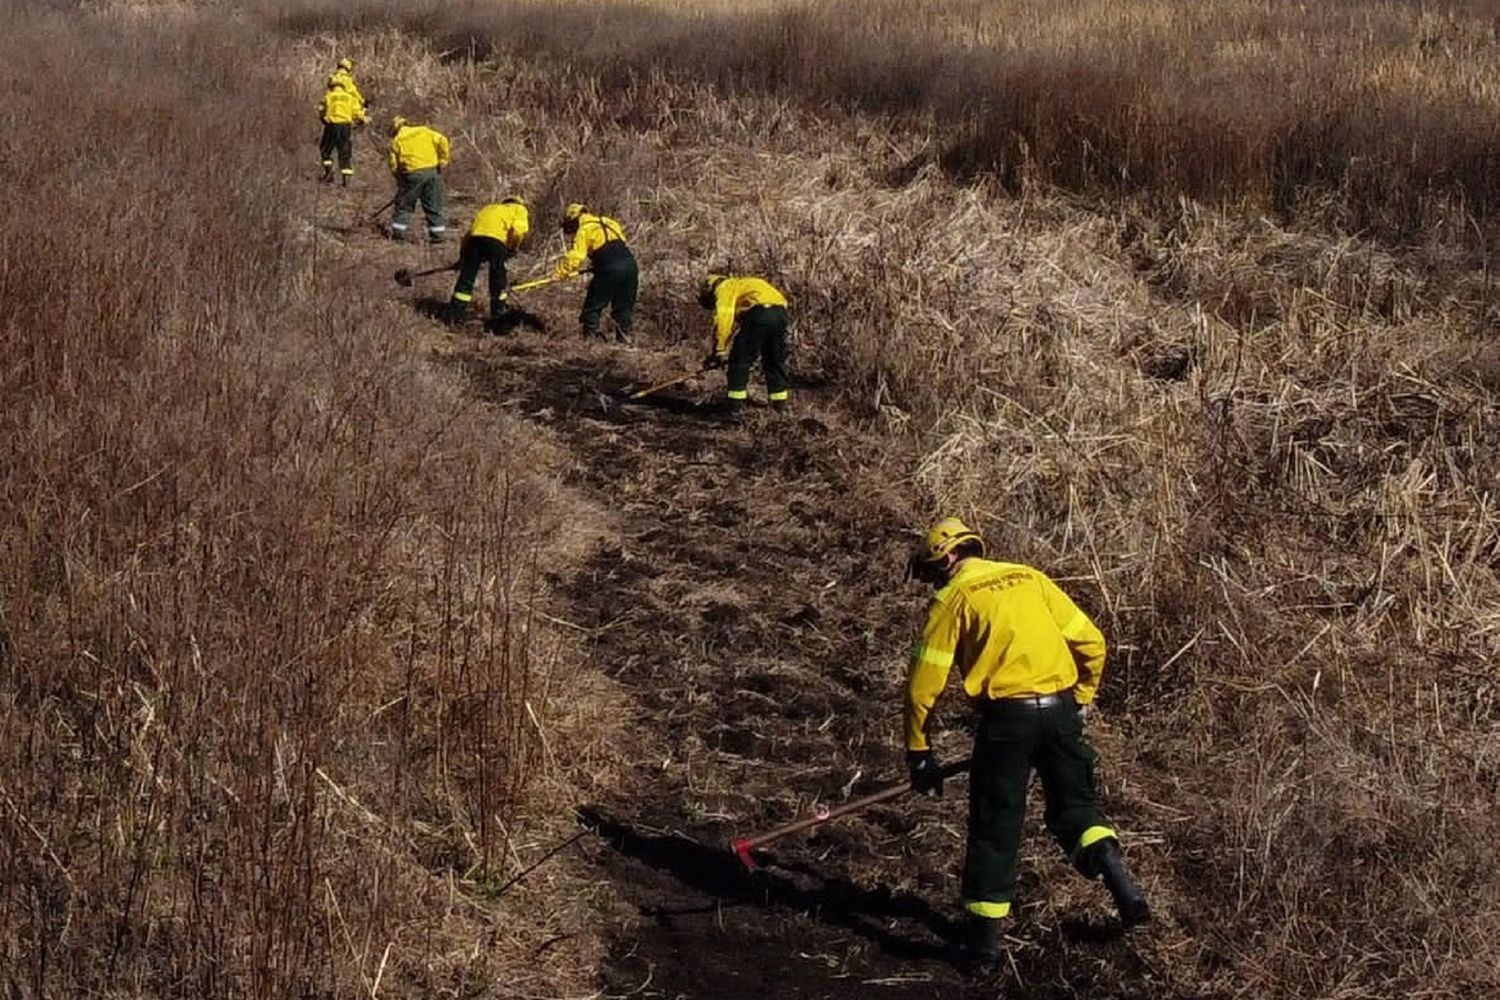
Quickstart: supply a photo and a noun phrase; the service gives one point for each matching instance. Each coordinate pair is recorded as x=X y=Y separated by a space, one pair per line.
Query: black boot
x=622 y=335
x=981 y=943
x=1129 y=898
x=455 y=312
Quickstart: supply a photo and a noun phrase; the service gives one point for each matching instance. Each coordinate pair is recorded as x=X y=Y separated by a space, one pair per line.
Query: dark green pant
x=425 y=186
x=1012 y=739
x=338 y=139
x=762 y=336
x=474 y=253
x=615 y=284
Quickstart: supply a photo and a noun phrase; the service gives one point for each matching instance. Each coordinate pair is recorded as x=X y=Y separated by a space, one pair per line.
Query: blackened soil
x=750 y=596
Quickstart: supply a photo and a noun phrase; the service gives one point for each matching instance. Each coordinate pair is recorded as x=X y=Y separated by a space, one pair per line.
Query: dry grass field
x=318 y=623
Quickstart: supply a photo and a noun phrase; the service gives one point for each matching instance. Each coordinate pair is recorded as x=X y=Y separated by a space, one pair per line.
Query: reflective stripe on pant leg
x=1065 y=763
x=773 y=352
x=432 y=203
x=991 y=911
x=470 y=256
x=743 y=351
x=347 y=171
x=1094 y=835
x=778 y=397
x=997 y=807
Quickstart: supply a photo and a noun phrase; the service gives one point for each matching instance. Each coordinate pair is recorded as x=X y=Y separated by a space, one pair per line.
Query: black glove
x=714 y=360
x=926 y=775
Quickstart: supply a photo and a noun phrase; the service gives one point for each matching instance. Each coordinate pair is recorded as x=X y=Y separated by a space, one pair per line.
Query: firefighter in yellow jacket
x=750 y=324
x=615 y=278
x=1031 y=661
x=339 y=111
x=417 y=156
x=345 y=71
x=495 y=234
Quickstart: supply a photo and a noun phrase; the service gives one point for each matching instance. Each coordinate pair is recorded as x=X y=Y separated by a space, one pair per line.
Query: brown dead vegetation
x=1259 y=450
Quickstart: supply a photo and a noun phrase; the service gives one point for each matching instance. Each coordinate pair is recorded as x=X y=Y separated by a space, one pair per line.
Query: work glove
x=926 y=775
x=714 y=360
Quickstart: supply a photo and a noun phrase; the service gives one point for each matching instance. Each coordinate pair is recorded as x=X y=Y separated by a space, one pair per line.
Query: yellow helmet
x=346 y=64
x=947 y=535
x=572 y=212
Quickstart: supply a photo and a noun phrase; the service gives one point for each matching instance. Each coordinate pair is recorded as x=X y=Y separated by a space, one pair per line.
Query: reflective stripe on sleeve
x=927 y=656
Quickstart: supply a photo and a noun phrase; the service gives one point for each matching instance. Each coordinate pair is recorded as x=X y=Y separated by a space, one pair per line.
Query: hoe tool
x=742 y=846
x=405 y=275
x=669 y=383
x=371 y=216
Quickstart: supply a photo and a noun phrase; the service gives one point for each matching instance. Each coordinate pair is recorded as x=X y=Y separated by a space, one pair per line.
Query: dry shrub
x=1259 y=454
x=266 y=658
x=1290 y=108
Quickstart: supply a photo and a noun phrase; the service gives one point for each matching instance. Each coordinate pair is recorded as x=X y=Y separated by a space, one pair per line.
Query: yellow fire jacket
x=347 y=79
x=504 y=221
x=1011 y=631
x=340 y=107
x=733 y=296
x=593 y=232
x=417 y=147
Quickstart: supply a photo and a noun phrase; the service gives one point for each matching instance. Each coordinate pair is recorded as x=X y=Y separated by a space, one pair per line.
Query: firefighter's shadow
x=716 y=872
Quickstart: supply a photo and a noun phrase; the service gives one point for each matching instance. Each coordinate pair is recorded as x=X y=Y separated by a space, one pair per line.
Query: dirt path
x=748 y=595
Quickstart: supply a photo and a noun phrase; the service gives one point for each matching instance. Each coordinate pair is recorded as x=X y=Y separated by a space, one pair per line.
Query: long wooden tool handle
x=744 y=845
x=663 y=385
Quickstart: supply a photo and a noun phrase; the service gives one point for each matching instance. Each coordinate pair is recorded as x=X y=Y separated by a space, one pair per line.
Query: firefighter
x=750 y=324
x=345 y=71
x=340 y=111
x=1032 y=662
x=496 y=233
x=600 y=240
x=418 y=155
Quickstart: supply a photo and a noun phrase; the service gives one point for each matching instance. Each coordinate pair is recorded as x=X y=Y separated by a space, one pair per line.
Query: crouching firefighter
x=1032 y=661
x=615 y=283
x=494 y=235
x=750 y=324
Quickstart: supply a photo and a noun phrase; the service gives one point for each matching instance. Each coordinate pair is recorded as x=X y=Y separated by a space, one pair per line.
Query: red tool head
x=742 y=851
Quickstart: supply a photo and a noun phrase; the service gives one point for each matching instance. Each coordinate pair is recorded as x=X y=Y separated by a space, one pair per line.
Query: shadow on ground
x=716 y=873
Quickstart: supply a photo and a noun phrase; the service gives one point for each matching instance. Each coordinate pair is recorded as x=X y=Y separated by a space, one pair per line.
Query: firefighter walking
x=750 y=324
x=615 y=282
x=340 y=110
x=1032 y=661
x=417 y=157
x=495 y=234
